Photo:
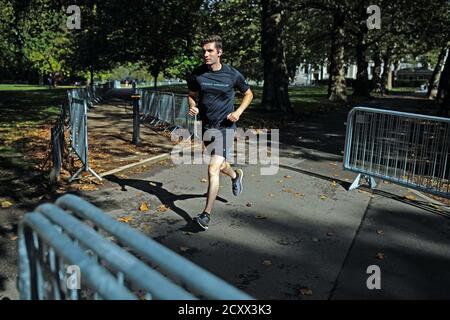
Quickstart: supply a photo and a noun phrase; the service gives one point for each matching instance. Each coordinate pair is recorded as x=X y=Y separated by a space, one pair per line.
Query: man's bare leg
x=214 y=177
x=226 y=169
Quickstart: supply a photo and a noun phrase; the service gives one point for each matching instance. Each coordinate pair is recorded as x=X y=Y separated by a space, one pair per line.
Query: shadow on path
x=166 y=197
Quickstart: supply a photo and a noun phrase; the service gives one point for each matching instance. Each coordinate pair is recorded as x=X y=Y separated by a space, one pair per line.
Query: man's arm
x=192 y=96
x=248 y=97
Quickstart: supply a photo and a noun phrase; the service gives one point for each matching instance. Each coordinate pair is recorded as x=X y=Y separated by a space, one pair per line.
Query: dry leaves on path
x=267 y=263
x=88 y=187
x=306 y=291
x=143 y=206
x=6 y=204
x=162 y=208
x=126 y=219
x=410 y=196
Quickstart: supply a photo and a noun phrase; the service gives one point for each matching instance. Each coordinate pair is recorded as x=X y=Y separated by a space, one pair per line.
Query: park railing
x=92 y=94
x=106 y=259
x=166 y=109
x=57 y=145
x=79 y=100
x=78 y=133
x=408 y=149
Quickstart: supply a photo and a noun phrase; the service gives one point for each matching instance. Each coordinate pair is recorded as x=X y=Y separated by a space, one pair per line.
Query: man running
x=213 y=85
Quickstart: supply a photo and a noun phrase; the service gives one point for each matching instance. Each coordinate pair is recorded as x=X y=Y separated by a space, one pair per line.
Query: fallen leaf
x=248 y=204
x=333 y=184
x=204 y=180
x=267 y=263
x=88 y=187
x=280 y=181
x=380 y=231
x=306 y=291
x=287 y=177
x=162 y=208
x=125 y=219
x=330 y=233
x=184 y=249
x=152 y=184
x=299 y=194
x=13 y=238
x=260 y=217
x=188 y=233
x=323 y=197
x=270 y=194
x=6 y=204
x=410 y=197
x=288 y=190
x=433 y=205
x=380 y=256
x=143 y=206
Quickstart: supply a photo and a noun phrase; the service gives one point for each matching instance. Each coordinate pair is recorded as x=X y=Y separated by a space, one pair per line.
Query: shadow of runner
x=166 y=197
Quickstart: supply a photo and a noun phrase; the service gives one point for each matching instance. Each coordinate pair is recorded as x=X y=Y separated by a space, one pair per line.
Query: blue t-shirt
x=216 y=93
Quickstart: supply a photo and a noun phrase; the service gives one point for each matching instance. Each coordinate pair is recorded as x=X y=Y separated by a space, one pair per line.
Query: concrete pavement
x=296 y=235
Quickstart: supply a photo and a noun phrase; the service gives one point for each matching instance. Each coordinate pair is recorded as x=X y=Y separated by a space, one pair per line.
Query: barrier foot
x=357 y=182
x=85 y=169
x=372 y=182
x=76 y=174
x=95 y=174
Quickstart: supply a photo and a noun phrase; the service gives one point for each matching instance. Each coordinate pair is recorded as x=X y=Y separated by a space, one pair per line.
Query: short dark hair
x=213 y=38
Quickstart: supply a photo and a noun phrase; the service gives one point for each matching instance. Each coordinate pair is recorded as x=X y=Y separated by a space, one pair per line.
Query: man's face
x=210 y=54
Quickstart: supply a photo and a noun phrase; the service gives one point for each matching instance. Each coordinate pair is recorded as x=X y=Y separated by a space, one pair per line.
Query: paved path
x=298 y=234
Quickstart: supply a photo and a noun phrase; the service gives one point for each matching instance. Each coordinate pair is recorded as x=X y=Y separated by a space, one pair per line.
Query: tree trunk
x=376 y=77
x=433 y=84
x=337 y=86
x=91 y=71
x=386 y=76
x=443 y=88
x=276 y=78
x=155 y=72
x=394 y=73
x=361 y=84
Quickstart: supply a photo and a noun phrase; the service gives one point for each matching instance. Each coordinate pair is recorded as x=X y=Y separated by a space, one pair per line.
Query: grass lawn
x=27 y=116
x=28 y=87
x=304 y=100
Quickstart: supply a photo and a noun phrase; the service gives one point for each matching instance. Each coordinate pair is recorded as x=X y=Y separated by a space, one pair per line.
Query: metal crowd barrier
x=92 y=94
x=79 y=99
x=57 y=143
x=61 y=238
x=166 y=109
x=78 y=132
x=405 y=148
